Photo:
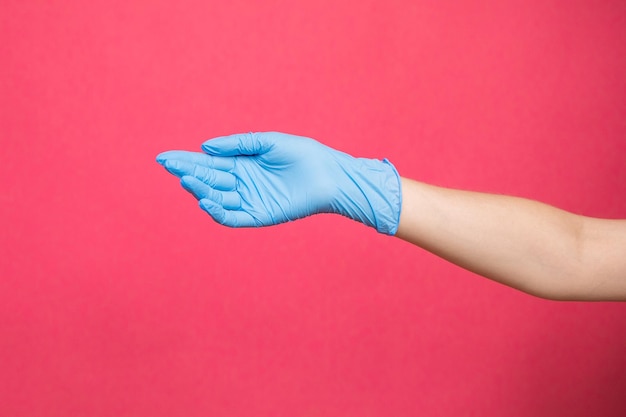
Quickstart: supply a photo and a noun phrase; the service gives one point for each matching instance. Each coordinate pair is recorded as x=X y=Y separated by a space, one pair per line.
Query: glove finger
x=228 y=218
x=215 y=178
x=238 y=144
x=230 y=200
x=198 y=158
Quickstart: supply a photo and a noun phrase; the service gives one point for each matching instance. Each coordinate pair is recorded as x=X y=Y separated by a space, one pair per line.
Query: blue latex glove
x=262 y=179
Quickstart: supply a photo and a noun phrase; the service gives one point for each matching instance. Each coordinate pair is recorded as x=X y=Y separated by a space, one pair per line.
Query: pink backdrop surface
x=120 y=297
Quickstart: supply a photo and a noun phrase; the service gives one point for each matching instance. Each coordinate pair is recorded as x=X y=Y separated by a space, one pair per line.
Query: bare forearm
x=521 y=243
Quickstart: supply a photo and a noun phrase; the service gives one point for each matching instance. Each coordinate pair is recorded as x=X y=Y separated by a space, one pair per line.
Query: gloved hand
x=262 y=179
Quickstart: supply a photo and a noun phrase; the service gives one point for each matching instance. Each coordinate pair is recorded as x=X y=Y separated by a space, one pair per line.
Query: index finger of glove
x=220 y=180
x=198 y=158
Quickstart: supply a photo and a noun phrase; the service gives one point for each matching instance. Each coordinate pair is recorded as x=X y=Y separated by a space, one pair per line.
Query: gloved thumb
x=239 y=144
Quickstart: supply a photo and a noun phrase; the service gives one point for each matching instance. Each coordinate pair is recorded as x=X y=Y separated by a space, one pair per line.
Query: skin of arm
x=531 y=246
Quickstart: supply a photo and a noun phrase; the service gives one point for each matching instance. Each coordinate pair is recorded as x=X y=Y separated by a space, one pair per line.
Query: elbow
x=567 y=277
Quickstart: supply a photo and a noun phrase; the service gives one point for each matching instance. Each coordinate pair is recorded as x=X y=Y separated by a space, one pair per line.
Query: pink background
x=120 y=297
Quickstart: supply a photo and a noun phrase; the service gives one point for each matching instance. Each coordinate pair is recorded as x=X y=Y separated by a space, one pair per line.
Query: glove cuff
x=388 y=216
x=373 y=195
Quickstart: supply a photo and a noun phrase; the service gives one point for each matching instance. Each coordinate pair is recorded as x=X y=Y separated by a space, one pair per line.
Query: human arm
x=524 y=244
x=269 y=178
